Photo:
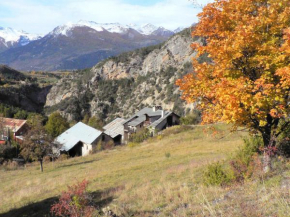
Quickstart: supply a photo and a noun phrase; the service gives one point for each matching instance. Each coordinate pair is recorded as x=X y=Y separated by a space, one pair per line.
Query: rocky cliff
x=119 y=86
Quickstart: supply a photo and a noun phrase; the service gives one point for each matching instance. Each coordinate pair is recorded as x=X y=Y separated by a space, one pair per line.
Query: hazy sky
x=41 y=16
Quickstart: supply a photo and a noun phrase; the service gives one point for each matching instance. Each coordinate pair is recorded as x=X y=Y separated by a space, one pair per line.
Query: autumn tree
x=247 y=82
x=56 y=124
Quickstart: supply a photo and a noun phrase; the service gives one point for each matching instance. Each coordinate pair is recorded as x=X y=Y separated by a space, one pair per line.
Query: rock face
x=174 y=53
x=121 y=85
x=29 y=97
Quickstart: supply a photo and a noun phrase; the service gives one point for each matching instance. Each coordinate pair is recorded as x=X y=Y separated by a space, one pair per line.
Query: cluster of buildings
x=80 y=139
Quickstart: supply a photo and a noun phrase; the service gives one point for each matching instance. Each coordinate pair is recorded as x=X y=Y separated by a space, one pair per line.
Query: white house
x=79 y=140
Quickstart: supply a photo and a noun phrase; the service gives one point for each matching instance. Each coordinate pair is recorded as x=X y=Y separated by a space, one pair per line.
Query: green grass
x=144 y=180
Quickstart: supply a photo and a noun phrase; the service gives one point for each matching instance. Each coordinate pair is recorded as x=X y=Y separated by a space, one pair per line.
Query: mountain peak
x=12 y=36
x=146 y=29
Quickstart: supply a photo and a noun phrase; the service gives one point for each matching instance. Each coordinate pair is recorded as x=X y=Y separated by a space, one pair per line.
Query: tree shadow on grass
x=79 y=163
x=42 y=208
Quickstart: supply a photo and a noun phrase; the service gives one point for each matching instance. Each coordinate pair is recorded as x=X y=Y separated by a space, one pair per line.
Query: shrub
x=109 y=145
x=101 y=145
x=284 y=142
x=75 y=202
x=96 y=123
x=175 y=130
x=63 y=157
x=56 y=124
x=8 y=152
x=167 y=155
x=216 y=175
x=140 y=136
x=191 y=119
x=244 y=163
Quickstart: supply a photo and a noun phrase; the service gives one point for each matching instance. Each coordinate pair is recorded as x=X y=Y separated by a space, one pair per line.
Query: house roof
x=78 y=133
x=115 y=128
x=137 y=121
x=12 y=124
x=140 y=117
x=149 y=112
x=157 y=122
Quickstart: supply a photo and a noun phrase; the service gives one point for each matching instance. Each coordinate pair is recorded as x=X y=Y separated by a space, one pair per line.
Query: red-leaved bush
x=75 y=202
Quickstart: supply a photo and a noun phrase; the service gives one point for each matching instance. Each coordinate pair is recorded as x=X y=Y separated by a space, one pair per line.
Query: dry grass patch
x=140 y=181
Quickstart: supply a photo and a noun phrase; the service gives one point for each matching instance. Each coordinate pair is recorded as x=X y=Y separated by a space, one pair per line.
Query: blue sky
x=140 y=2
x=41 y=16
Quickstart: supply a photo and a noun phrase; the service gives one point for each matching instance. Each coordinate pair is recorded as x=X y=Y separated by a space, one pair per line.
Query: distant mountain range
x=14 y=38
x=75 y=45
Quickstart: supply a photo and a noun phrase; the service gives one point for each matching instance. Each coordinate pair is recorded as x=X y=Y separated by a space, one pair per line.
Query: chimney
x=162 y=113
x=155 y=108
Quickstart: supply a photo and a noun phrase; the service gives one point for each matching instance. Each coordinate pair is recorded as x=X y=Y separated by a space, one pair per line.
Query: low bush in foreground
x=246 y=163
x=216 y=174
x=75 y=202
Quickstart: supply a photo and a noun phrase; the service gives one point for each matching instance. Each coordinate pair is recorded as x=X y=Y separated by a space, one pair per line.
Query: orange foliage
x=248 y=80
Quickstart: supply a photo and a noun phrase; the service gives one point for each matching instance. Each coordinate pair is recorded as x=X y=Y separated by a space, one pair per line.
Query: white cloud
x=37 y=17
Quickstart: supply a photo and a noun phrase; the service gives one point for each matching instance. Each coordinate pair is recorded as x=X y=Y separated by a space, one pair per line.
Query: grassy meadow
x=161 y=176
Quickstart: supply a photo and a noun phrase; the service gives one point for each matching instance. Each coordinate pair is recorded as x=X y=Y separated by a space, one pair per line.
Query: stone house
x=115 y=130
x=154 y=119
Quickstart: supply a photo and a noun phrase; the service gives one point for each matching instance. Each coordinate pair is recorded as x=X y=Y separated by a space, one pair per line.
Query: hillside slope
x=8 y=73
x=19 y=90
x=123 y=167
x=121 y=85
x=159 y=177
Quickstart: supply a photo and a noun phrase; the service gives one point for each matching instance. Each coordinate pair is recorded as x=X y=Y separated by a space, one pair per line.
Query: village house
x=115 y=130
x=79 y=140
x=154 y=119
x=15 y=127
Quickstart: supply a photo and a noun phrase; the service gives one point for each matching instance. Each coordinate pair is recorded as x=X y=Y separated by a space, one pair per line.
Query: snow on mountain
x=96 y=26
x=115 y=27
x=99 y=27
x=147 y=29
x=13 y=36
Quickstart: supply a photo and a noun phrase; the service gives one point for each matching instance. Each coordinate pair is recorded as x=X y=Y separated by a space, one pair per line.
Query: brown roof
x=12 y=124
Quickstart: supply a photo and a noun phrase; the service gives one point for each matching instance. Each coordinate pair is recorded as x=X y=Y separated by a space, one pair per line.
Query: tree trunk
x=267 y=166
x=41 y=165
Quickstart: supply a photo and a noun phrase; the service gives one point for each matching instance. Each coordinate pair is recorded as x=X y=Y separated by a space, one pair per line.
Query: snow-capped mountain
x=75 y=45
x=147 y=29
x=12 y=37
